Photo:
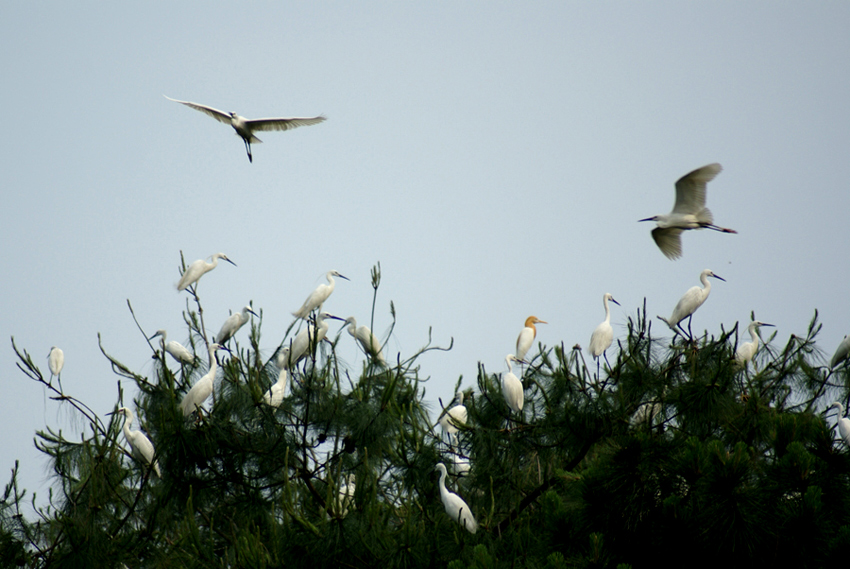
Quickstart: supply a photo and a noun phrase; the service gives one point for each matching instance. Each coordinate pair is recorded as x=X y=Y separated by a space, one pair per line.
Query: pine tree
x=673 y=455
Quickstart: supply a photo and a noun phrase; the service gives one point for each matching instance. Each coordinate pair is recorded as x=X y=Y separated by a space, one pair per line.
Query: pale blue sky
x=494 y=157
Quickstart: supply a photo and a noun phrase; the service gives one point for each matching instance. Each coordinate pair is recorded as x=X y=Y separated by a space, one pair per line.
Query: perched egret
x=527 y=335
x=456 y=508
x=646 y=413
x=747 y=350
x=843 y=423
x=345 y=496
x=55 y=362
x=141 y=444
x=460 y=464
x=690 y=301
x=198 y=269
x=841 y=352
x=203 y=388
x=455 y=416
x=311 y=335
x=246 y=127
x=603 y=336
x=274 y=396
x=232 y=325
x=176 y=349
x=512 y=386
x=318 y=297
x=689 y=212
x=367 y=340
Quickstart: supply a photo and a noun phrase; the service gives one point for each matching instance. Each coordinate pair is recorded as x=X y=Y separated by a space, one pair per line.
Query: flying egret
x=603 y=336
x=367 y=340
x=274 y=396
x=527 y=335
x=232 y=325
x=202 y=389
x=841 y=352
x=689 y=212
x=345 y=497
x=55 y=362
x=176 y=349
x=747 y=350
x=690 y=301
x=139 y=442
x=303 y=342
x=246 y=127
x=455 y=416
x=198 y=269
x=318 y=297
x=456 y=508
x=843 y=423
x=512 y=386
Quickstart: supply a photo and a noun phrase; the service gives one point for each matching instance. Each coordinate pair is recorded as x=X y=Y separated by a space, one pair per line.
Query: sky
x=494 y=157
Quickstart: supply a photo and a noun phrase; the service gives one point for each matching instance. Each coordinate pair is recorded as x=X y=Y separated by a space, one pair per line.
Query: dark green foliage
x=674 y=456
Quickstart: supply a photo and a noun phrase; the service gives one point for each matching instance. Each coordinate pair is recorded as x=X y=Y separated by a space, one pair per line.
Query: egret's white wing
x=218 y=115
x=282 y=124
x=669 y=240
x=690 y=189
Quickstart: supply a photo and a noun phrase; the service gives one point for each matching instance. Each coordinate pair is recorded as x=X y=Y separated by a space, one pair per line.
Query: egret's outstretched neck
x=607 y=308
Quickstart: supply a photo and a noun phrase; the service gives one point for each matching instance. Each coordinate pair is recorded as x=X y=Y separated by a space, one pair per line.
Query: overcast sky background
x=494 y=157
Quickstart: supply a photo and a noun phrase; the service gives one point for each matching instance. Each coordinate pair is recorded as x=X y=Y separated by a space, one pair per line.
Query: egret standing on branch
x=512 y=386
x=198 y=269
x=841 y=352
x=689 y=212
x=232 y=325
x=746 y=351
x=603 y=336
x=141 y=444
x=318 y=297
x=305 y=340
x=203 y=388
x=843 y=423
x=246 y=127
x=456 y=508
x=176 y=349
x=367 y=340
x=55 y=362
x=527 y=335
x=274 y=396
x=688 y=304
x=455 y=416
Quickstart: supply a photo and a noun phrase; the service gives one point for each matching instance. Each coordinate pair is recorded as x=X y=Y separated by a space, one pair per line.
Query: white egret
x=460 y=464
x=456 y=508
x=690 y=301
x=198 y=269
x=367 y=340
x=274 y=396
x=318 y=297
x=142 y=447
x=203 y=388
x=689 y=212
x=603 y=336
x=747 y=350
x=527 y=335
x=176 y=349
x=55 y=362
x=303 y=342
x=232 y=325
x=246 y=127
x=843 y=423
x=345 y=497
x=512 y=386
x=455 y=416
x=841 y=353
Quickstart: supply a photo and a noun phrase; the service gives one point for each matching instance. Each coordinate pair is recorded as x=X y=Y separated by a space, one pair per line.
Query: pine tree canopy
x=674 y=454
